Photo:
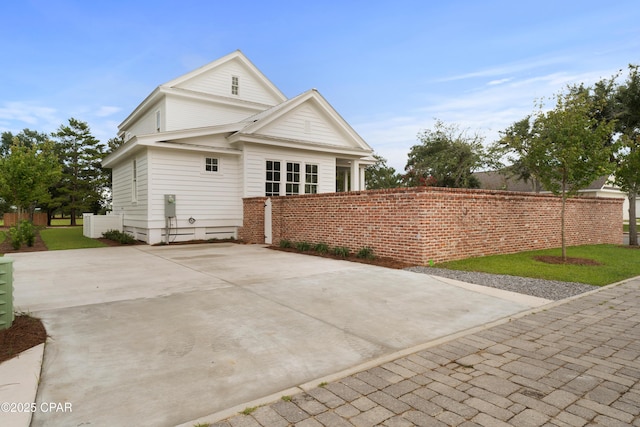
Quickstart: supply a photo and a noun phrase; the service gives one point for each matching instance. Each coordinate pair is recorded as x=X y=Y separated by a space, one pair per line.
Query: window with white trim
x=134 y=181
x=235 y=85
x=311 y=179
x=293 y=179
x=211 y=164
x=272 y=179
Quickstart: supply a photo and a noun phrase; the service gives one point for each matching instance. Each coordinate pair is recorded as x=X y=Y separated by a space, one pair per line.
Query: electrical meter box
x=170 y=205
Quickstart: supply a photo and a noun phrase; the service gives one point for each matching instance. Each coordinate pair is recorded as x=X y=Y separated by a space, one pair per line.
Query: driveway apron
x=160 y=335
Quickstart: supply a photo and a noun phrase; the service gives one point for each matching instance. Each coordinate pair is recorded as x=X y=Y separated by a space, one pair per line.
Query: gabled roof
x=180 y=86
x=497 y=180
x=257 y=124
x=237 y=56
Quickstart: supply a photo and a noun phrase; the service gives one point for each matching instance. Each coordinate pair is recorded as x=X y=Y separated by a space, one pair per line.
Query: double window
x=311 y=179
x=293 y=179
x=235 y=85
x=272 y=183
x=293 y=182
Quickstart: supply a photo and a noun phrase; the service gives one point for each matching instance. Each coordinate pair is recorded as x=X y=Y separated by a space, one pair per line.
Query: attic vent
x=307 y=126
x=235 y=85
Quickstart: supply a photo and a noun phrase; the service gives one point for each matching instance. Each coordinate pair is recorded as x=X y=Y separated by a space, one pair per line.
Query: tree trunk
x=564 y=247
x=633 y=227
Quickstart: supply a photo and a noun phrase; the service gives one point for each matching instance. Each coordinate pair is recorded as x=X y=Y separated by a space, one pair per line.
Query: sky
x=390 y=68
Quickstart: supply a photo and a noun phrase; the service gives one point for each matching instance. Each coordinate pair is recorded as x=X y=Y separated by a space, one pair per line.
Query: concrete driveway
x=163 y=335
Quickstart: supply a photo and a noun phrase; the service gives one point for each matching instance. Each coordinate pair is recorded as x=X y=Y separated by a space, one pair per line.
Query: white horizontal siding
x=307 y=123
x=185 y=113
x=255 y=158
x=122 y=189
x=207 y=197
x=218 y=82
x=147 y=123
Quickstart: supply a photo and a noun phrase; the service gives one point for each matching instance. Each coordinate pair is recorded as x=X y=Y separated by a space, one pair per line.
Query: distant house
x=200 y=143
x=601 y=187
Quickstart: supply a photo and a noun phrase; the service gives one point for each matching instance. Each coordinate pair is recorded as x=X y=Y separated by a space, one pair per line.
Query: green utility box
x=6 y=292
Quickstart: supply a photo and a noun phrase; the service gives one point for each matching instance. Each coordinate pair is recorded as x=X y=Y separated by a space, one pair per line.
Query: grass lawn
x=617 y=263
x=625 y=226
x=68 y=238
x=64 y=221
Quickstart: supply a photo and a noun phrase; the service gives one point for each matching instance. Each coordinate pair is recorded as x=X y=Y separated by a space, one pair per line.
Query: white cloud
x=499 y=82
x=19 y=115
x=106 y=111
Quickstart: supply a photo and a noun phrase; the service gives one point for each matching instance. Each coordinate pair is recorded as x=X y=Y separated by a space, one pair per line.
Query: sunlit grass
x=617 y=263
x=68 y=238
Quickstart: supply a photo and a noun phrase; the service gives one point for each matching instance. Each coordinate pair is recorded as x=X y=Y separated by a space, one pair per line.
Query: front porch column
x=355 y=175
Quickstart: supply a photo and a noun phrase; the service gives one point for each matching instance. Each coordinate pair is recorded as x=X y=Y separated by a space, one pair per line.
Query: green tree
x=379 y=175
x=83 y=179
x=569 y=147
x=27 y=137
x=445 y=157
x=513 y=147
x=627 y=173
x=26 y=173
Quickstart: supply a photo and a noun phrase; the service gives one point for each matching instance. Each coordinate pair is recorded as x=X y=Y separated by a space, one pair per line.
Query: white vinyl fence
x=94 y=225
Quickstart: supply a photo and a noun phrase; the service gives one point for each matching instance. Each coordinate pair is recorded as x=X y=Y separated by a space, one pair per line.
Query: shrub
x=321 y=248
x=119 y=236
x=365 y=253
x=284 y=243
x=341 y=251
x=16 y=237
x=303 y=246
x=28 y=232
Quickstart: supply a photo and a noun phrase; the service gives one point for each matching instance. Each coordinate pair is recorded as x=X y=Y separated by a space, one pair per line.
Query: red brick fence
x=422 y=224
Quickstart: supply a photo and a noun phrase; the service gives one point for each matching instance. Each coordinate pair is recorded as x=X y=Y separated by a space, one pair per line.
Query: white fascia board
x=151 y=99
x=298 y=145
x=194 y=147
x=210 y=98
x=174 y=135
x=124 y=150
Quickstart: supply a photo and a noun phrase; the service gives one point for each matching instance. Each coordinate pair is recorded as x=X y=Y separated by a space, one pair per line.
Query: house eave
x=239 y=137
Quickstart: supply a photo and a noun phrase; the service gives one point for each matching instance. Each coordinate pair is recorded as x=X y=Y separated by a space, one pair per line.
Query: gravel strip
x=549 y=289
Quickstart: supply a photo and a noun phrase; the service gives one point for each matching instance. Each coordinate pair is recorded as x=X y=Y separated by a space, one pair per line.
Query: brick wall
x=422 y=224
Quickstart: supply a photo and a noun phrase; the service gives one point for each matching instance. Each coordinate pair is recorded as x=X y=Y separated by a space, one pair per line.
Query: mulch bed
x=549 y=259
x=25 y=332
x=38 y=245
x=379 y=261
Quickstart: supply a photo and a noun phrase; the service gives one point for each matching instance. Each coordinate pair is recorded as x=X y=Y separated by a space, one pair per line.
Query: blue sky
x=388 y=67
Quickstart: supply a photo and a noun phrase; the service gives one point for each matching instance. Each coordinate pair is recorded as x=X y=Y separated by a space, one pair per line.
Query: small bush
x=284 y=243
x=119 y=236
x=321 y=248
x=341 y=251
x=16 y=237
x=365 y=253
x=28 y=232
x=303 y=246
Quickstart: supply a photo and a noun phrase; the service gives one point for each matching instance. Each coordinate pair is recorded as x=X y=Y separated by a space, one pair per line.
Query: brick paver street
x=572 y=364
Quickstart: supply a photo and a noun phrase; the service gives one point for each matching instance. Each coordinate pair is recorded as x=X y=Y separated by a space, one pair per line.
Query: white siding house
x=200 y=143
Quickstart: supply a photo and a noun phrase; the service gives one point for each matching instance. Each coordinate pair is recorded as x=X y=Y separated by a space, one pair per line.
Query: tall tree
x=445 y=157
x=379 y=175
x=514 y=146
x=83 y=180
x=26 y=173
x=627 y=174
x=27 y=137
x=569 y=147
